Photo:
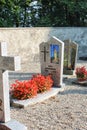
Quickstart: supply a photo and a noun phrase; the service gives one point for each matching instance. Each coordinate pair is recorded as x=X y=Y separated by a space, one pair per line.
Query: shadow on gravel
x=79 y=88
x=73 y=81
x=74 y=91
x=68 y=81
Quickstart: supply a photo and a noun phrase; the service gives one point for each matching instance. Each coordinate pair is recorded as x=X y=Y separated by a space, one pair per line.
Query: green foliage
x=45 y=13
x=65 y=12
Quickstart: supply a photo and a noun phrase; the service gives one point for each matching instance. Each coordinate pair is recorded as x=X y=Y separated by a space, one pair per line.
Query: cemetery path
x=65 y=111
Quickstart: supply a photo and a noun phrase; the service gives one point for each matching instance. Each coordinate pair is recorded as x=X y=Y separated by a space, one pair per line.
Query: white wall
x=25 y=42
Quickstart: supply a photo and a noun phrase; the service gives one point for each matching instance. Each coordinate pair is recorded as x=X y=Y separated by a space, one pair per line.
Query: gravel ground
x=65 y=111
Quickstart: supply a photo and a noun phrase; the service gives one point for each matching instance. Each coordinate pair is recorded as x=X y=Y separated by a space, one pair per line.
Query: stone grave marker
x=13 y=64
x=70 y=56
x=51 y=58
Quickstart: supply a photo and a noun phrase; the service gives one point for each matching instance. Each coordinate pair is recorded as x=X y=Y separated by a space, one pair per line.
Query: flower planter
x=81 y=79
x=81 y=74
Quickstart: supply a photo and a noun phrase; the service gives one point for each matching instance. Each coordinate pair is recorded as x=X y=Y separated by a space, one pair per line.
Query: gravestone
x=13 y=64
x=51 y=58
x=70 y=56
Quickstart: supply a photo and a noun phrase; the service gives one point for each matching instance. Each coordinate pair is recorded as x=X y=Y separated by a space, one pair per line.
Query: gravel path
x=65 y=111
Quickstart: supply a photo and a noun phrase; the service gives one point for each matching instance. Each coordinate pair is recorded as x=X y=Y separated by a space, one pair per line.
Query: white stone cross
x=6 y=63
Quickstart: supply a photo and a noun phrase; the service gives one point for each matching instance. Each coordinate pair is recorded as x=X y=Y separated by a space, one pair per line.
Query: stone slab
x=39 y=98
x=13 y=125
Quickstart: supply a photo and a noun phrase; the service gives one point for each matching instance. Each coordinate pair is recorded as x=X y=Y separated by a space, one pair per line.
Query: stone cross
x=6 y=63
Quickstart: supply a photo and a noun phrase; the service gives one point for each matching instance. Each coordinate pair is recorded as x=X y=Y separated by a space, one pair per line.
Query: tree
x=13 y=12
x=63 y=13
x=55 y=13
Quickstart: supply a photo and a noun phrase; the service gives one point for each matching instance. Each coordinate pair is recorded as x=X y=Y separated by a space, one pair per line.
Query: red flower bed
x=27 y=89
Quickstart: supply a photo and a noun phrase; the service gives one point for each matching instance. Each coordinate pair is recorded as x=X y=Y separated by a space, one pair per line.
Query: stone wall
x=25 y=42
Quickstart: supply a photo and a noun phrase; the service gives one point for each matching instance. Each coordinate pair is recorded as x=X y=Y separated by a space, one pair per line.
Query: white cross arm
x=10 y=63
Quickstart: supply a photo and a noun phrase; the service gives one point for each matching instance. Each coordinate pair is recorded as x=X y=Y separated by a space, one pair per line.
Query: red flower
x=81 y=72
x=24 y=89
x=44 y=83
x=27 y=89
